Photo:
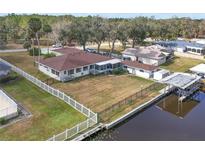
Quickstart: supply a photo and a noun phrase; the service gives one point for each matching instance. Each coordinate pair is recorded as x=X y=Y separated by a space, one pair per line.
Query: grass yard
x=181 y=64
x=25 y=62
x=49 y=115
x=100 y=92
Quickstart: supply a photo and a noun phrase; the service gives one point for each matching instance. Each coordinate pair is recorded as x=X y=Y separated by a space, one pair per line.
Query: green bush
x=3 y=121
x=49 y=55
x=119 y=71
x=34 y=51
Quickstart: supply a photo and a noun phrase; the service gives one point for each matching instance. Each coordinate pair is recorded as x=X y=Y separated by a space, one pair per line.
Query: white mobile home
x=151 y=55
x=72 y=65
x=139 y=69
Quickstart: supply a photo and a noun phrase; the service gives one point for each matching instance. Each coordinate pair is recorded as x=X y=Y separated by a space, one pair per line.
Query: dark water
x=166 y=120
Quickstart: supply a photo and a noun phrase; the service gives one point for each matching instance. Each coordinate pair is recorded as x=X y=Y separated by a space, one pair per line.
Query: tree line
x=96 y=29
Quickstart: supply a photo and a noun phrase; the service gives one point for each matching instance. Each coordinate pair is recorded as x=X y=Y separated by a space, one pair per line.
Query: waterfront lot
x=95 y=92
x=100 y=92
x=181 y=64
x=49 y=115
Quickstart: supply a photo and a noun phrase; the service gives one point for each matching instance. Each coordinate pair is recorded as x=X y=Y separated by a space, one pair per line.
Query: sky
x=131 y=15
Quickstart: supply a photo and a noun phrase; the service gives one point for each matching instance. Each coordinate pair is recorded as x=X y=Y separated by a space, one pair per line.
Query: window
x=64 y=72
x=71 y=71
x=198 y=51
x=57 y=73
x=141 y=70
x=53 y=71
x=78 y=70
x=85 y=68
x=91 y=67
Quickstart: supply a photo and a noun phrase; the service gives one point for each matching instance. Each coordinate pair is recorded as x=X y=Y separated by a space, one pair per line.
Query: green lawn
x=50 y=115
x=181 y=64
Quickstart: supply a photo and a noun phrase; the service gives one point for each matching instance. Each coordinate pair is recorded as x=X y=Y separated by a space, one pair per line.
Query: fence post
x=66 y=133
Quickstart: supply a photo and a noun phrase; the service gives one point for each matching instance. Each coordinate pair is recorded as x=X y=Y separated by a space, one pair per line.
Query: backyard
x=181 y=64
x=100 y=92
x=49 y=115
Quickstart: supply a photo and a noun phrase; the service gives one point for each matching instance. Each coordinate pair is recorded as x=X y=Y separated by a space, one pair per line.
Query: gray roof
x=4 y=67
x=151 y=52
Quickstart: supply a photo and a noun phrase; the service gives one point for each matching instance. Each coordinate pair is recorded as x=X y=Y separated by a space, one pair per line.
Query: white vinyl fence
x=92 y=117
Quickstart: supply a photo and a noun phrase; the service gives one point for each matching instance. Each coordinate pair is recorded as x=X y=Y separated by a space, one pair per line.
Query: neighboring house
x=184 y=46
x=139 y=69
x=76 y=63
x=151 y=55
x=4 y=70
x=199 y=70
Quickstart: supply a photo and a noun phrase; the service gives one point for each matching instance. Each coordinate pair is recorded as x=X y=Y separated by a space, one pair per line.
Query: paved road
x=13 y=50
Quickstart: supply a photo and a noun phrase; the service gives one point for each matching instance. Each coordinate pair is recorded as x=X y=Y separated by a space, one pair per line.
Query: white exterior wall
x=8 y=108
x=62 y=76
x=75 y=75
x=137 y=72
x=133 y=58
x=152 y=61
x=48 y=72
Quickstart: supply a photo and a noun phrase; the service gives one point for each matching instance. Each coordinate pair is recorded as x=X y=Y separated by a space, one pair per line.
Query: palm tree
x=47 y=29
x=35 y=26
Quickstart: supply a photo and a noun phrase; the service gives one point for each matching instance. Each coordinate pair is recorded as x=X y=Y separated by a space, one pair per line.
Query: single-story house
x=139 y=69
x=184 y=46
x=151 y=55
x=4 y=70
x=76 y=64
x=199 y=70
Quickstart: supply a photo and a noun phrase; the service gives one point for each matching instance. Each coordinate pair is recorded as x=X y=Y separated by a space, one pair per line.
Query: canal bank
x=164 y=120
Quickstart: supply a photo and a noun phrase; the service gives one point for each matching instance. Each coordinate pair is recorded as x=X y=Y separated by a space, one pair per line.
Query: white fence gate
x=68 y=133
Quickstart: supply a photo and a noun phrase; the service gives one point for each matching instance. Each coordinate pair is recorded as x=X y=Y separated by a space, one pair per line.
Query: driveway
x=13 y=50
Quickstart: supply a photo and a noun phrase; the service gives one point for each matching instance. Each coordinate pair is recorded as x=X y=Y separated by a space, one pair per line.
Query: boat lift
x=185 y=84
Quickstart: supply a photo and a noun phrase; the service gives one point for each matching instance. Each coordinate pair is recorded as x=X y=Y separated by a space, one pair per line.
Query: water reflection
x=173 y=121
x=172 y=105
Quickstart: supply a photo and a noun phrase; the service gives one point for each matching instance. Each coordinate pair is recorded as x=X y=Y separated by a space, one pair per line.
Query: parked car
x=57 y=45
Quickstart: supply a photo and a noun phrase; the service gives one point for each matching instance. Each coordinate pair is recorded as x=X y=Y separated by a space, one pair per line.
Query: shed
x=160 y=74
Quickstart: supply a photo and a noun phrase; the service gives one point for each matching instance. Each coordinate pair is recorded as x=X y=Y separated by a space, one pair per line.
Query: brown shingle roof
x=140 y=65
x=75 y=60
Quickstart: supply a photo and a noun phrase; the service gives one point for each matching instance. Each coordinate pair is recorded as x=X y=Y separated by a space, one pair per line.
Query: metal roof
x=198 y=68
x=181 y=80
x=181 y=43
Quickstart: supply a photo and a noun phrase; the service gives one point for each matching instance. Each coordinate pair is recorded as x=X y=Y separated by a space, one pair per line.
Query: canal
x=165 y=120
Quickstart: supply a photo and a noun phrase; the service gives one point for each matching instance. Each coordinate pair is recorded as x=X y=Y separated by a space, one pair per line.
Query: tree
x=113 y=34
x=138 y=30
x=3 y=36
x=35 y=25
x=82 y=31
x=123 y=33
x=13 y=25
x=47 y=29
x=27 y=45
x=98 y=31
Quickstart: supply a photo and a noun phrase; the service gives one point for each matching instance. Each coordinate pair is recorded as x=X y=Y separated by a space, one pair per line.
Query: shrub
x=34 y=51
x=3 y=121
x=49 y=55
x=119 y=71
